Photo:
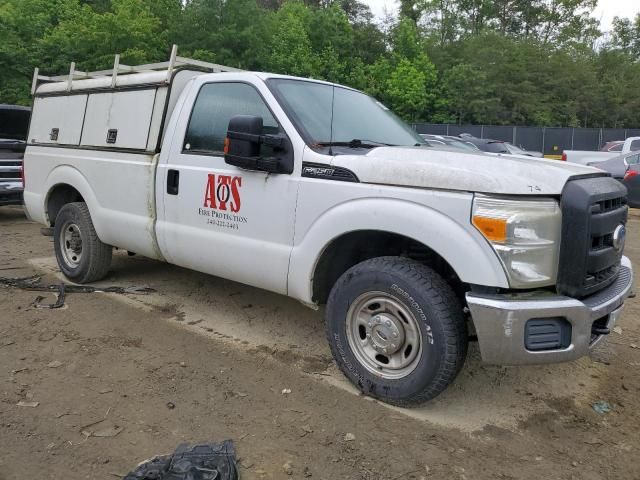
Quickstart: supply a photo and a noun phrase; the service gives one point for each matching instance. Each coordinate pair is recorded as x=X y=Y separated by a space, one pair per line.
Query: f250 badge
x=222 y=201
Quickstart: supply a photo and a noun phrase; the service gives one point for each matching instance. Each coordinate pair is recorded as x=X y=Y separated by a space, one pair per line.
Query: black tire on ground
x=81 y=256
x=418 y=291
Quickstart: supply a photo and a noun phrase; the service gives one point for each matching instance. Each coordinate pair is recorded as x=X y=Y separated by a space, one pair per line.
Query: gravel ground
x=221 y=354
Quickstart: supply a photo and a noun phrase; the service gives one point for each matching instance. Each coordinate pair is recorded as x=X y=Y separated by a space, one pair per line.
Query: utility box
x=121 y=109
x=58 y=121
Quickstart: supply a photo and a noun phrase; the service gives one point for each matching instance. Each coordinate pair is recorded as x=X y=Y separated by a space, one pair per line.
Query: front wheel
x=81 y=256
x=396 y=330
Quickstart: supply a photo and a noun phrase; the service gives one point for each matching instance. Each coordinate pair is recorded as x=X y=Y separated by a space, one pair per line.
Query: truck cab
x=317 y=191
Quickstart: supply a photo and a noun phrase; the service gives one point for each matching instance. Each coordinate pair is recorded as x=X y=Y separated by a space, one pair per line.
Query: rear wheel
x=81 y=256
x=396 y=330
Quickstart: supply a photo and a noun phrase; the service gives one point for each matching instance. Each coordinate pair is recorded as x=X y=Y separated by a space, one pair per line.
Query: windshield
x=493 y=147
x=462 y=145
x=514 y=149
x=14 y=123
x=326 y=114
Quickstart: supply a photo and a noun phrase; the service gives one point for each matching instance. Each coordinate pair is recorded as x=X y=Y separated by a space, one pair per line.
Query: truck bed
x=585 y=157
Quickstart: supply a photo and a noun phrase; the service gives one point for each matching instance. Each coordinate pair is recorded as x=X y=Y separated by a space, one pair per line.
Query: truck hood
x=472 y=172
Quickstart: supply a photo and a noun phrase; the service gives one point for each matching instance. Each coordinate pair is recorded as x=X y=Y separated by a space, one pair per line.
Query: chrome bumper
x=500 y=321
x=10 y=193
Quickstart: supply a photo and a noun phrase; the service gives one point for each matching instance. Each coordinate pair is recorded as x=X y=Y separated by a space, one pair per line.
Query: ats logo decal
x=222 y=201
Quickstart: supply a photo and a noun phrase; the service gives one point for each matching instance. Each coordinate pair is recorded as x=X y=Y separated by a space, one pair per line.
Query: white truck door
x=217 y=218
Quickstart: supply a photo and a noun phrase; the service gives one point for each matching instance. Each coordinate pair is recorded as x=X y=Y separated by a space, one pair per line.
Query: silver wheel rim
x=384 y=335
x=71 y=244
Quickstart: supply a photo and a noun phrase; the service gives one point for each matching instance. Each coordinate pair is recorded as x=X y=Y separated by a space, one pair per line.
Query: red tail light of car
x=564 y=157
x=630 y=174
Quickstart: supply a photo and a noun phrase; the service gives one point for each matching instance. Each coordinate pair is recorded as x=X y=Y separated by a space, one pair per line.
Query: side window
x=635 y=145
x=215 y=105
x=633 y=159
x=617 y=147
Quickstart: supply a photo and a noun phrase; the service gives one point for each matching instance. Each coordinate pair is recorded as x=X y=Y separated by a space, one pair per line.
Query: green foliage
x=468 y=61
x=291 y=51
x=129 y=28
x=407 y=90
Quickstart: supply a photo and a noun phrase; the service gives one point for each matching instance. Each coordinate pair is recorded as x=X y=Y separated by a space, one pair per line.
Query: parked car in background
x=497 y=146
x=584 y=157
x=626 y=169
x=613 y=146
x=448 y=141
x=14 y=124
x=519 y=151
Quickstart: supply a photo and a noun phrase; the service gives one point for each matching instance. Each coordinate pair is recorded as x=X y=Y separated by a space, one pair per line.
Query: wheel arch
x=65 y=184
x=357 y=246
x=380 y=227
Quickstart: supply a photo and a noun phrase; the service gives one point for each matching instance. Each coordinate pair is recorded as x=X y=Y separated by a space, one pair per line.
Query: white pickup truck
x=319 y=192
x=585 y=157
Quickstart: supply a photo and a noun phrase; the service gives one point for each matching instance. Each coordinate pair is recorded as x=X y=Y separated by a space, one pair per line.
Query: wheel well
x=352 y=248
x=59 y=196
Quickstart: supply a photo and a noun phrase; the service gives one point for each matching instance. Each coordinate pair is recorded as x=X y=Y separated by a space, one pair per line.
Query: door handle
x=173 y=182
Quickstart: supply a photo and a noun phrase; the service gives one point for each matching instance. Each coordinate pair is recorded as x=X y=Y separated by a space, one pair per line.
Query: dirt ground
x=120 y=378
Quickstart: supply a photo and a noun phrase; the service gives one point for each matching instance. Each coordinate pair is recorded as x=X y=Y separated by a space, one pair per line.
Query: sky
x=606 y=10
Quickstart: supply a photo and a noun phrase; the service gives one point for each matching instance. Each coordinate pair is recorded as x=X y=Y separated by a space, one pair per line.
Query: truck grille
x=592 y=209
x=9 y=175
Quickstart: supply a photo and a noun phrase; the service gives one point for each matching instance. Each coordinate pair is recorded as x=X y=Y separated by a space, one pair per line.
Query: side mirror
x=243 y=146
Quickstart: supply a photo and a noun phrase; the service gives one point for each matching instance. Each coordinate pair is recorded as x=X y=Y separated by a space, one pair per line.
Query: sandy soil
x=222 y=353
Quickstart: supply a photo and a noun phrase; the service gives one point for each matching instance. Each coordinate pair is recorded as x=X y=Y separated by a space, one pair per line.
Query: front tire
x=396 y=330
x=81 y=256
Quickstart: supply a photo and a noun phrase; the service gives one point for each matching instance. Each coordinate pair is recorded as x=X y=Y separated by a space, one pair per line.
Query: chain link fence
x=551 y=141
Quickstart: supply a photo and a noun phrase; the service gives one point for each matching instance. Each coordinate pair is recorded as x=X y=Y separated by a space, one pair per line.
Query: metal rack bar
x=174 y=62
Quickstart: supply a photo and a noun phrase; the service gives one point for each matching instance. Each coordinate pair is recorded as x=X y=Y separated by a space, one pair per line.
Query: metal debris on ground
x=207 y=461
x=60 y=296
x=33 y=284
x=601 y=407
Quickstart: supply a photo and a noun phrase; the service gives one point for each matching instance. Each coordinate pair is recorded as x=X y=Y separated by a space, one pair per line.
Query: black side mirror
x=243 y=145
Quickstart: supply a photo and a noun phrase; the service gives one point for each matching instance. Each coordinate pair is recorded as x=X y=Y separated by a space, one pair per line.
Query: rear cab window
x=617 y=147
x=633 y=159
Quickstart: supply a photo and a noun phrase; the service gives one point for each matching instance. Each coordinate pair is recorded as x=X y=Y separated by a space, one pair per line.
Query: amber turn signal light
x=494 y=229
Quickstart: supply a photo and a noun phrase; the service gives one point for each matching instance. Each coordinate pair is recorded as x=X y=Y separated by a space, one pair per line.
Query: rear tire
x=396 y=330
x=81 y=256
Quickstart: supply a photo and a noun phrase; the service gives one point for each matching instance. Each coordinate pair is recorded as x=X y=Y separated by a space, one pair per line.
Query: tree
x=407 y=91
x=626 y=35
x=91 y=38
x=482 y=61
x=290 y=45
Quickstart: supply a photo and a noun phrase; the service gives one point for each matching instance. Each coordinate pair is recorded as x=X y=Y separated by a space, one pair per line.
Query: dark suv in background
x=14 y=126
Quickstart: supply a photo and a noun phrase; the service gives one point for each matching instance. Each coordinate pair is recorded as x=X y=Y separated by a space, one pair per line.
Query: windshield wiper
x=356 y=143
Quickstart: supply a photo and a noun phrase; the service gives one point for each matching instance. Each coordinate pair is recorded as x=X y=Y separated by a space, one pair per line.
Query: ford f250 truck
x=317 y=191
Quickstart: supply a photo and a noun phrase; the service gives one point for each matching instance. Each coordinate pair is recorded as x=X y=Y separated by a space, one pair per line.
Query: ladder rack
x=174 y=62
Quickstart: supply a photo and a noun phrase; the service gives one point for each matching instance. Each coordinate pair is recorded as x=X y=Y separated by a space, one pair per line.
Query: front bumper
x=501 y=320
x=10 y=193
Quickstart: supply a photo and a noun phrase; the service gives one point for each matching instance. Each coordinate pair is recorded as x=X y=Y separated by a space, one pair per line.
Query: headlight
x=525 y=234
